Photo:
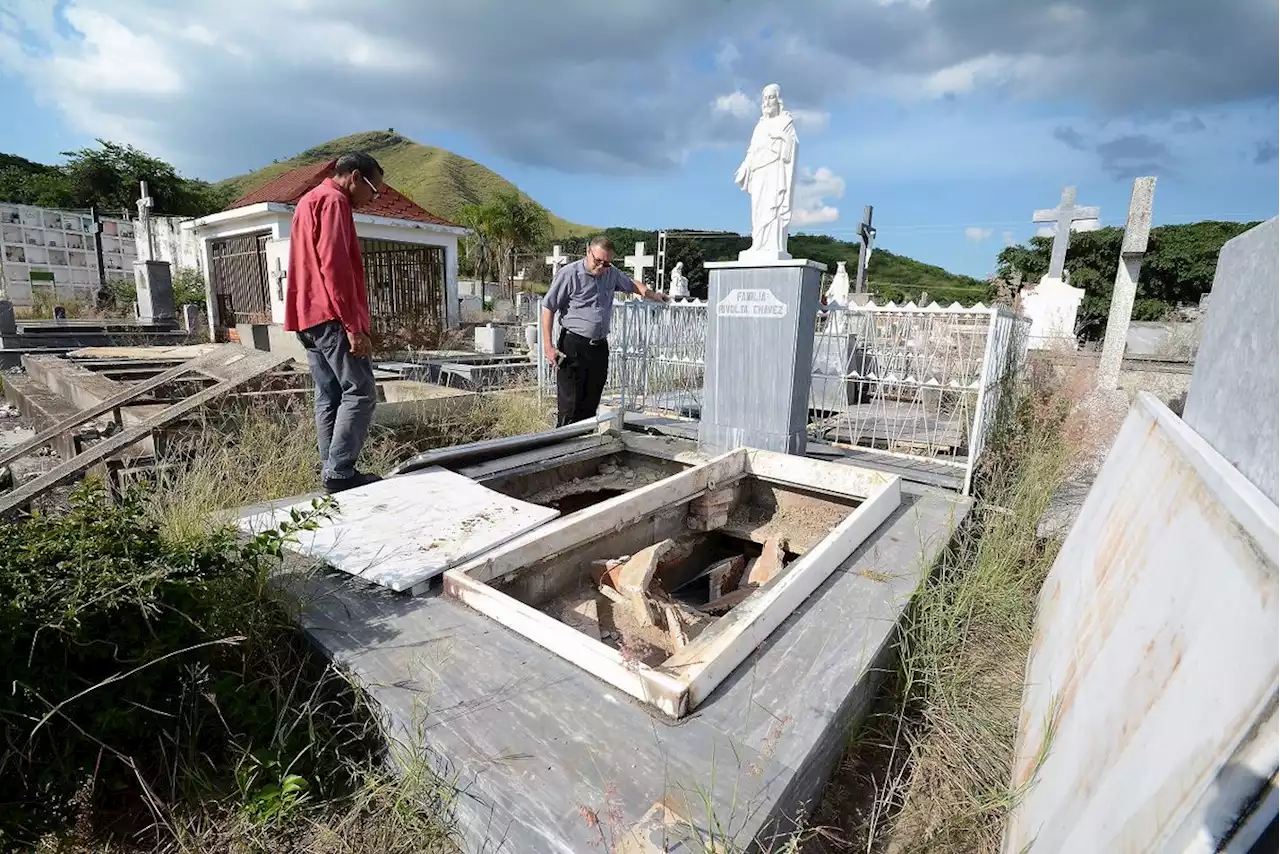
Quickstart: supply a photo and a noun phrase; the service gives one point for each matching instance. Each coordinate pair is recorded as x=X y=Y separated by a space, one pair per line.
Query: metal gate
x=238 y=274
x=405 y=282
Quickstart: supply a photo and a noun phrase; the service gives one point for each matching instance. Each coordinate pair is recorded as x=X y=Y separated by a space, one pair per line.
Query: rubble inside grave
x=651 y=604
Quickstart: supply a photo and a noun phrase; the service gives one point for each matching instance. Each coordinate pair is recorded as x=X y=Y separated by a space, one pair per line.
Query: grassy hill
x=439 y=180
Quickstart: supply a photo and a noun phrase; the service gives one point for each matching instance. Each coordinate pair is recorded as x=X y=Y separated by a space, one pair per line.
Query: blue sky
x=954 y=118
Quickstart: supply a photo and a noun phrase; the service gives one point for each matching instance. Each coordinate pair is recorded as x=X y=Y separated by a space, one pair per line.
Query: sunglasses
x=598 y=260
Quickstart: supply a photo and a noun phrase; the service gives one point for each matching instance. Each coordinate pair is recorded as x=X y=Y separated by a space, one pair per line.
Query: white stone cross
x=145 y=204
x=638 y=262
x=1064 y=215
x=556 y=260
x=1136 y=231
x=280 y=275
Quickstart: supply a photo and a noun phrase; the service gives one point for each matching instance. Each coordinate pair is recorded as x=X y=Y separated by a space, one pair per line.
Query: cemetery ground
x=164 y=700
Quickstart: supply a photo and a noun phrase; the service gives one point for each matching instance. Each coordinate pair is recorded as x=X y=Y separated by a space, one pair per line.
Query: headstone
x=145 y=203
x=759 y=360
x=838 y=292
x=491 y=339
x=190 y=317
x=556 y=260
x=8 y=321
x=768 y=174
x=1064 y=215
x=280 y=276
x=866 y=238
x=1136 y=231
x=1053 y=304
x=1235 y=387
x=154 y=284
x=639 y=262
x=679 y=284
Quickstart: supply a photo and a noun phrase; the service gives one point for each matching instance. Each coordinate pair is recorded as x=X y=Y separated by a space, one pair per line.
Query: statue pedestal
x=761 y=256
x=759 y=363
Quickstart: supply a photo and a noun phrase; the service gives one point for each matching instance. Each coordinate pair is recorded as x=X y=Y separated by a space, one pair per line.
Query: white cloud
x=1008 y=238
x=727 y=57
x=811 y=120
x=813 y=187
x=1047 y=231
x=1086 y=225
x=976 y=235
x=735 y=104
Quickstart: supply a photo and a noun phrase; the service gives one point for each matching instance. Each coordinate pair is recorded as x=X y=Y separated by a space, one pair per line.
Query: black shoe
x=342 y=484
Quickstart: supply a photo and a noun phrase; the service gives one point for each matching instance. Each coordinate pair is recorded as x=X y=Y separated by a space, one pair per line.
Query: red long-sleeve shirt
x=326 y=273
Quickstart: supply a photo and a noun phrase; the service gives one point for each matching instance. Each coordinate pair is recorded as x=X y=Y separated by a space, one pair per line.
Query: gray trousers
x=345 y=397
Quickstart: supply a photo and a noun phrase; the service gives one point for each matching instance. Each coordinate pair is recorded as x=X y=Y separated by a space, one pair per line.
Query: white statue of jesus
x=768 y=173
x=679 y=284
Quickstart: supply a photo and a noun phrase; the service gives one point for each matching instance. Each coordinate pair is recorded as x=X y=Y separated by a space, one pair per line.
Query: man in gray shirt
x=582 y=295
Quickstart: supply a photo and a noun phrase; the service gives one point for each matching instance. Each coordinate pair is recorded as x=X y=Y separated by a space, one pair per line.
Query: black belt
x=594 y=342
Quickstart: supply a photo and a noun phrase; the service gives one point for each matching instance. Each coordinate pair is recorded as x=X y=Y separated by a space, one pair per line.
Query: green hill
x=439 y=180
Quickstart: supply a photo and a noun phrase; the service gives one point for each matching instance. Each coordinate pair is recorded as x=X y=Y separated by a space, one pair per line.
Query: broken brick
x=729 y=600
x=725 y=576
x=769 y=564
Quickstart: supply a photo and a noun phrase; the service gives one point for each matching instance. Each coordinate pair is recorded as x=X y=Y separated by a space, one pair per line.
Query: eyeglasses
x=376 y=192
x=602 y=262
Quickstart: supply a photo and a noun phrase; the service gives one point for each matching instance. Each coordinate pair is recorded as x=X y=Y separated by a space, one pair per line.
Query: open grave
x=662 y=592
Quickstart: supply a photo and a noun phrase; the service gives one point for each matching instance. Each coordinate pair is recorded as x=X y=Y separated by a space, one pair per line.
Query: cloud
x=1008 y=238
x=1190 y=124
x=735 y=104
x=1070 y=137
x=222 y=85
x=813 y=187
x=1132 y=155
x=976 y=235
x=1047 y=231
x=1266 y=151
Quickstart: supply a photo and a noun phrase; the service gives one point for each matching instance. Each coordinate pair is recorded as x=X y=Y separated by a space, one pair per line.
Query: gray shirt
x=583 y=301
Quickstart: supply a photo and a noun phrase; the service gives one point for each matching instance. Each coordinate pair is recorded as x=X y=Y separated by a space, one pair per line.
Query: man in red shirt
x=328 y=307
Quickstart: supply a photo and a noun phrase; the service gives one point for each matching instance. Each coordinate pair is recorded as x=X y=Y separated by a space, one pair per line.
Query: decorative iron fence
x=918 y=382
x=914 y=381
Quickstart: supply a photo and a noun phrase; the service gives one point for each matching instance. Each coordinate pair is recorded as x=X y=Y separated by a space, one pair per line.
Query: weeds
x=931 y=769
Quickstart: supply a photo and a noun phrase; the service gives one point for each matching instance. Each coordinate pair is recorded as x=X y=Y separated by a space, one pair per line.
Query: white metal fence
x=919 y=382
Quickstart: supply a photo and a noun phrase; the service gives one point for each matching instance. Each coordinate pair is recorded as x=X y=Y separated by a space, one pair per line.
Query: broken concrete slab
x=769 y=564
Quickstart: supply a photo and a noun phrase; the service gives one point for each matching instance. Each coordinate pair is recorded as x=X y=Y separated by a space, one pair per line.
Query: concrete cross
x=145 y=204
x=556 y=259
x=1136 y=231
x=638 y=262
x=280 y=275
x=1064 y=215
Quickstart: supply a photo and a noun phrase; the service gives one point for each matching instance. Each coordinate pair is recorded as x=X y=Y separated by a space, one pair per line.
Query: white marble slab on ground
x=404 y=530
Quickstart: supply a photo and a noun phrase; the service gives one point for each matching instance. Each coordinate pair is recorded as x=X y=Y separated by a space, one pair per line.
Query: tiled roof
x=293 y=185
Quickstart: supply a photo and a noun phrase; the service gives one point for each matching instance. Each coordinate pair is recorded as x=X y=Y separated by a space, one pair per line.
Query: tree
x=514 y=224
x=478 y=249
x=107 y=177
x=1177 y=268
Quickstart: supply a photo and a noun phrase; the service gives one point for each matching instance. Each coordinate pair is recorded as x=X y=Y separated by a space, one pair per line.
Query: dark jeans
x=580 y=378
x=345 y=397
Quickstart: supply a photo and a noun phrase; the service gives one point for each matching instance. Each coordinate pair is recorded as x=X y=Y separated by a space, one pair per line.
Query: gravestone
x=491 y=339
x=759 y=362
x=190 y=317
x=838 y=292
x=8 y=321
x=639 y=262
x=556 y=260
x=154 y=285
x=1052 y=305
x=1235 y=386
x=1136 y=231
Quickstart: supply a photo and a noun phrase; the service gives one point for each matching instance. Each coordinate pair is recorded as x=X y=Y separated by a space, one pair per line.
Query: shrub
x=140 y=668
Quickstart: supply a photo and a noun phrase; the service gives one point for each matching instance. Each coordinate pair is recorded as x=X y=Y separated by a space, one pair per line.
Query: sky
x=955 y=119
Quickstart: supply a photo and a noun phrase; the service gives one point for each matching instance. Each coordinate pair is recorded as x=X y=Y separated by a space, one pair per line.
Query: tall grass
x=931 y=770
x=214 y=725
